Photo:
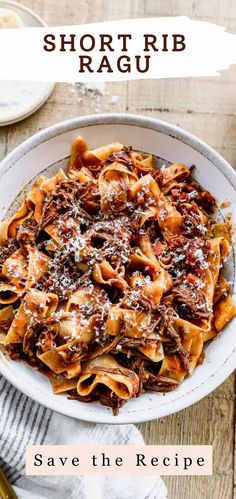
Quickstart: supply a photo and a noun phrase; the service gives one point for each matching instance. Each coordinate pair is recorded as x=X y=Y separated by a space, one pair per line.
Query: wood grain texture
x=205 y=107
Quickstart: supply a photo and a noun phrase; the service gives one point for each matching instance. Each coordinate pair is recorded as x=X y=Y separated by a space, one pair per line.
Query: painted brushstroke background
x=209 y=49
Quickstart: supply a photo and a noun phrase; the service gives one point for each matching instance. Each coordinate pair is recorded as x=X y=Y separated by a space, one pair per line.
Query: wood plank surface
x=205 y=107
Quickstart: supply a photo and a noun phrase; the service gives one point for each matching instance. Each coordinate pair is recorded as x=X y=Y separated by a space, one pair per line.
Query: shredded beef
x=190 y=226
x=123 y=156
x=108 y=346
x=76 y=353
x=189 y=255
x=138 y=366
x=104 y=395
x=30 y=337
x=73 y=395
x=15 y=355
x=167 y=329
x=159 y=177
x=27 y=231
x=64 y=199
x=89 y=197
x=136 y=342
x=160 y=383
x=192 y=302
x=110 y=399
x=48 y=339
x=184 y=361
x=196 y=255
x=62 y=278
x=7 y=251
x=187 y=192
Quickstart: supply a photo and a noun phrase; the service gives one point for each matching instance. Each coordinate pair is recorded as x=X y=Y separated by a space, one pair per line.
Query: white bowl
x=52 y=146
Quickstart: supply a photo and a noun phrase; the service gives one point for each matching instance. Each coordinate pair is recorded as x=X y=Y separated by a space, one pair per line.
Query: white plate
x=25 y=97
x=51 y=146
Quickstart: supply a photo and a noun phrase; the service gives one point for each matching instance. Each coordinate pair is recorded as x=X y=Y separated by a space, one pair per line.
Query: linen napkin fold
x=24 y=422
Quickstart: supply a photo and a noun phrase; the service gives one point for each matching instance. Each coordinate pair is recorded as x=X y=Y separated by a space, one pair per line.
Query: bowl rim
x=123 y=119
x=229 y=364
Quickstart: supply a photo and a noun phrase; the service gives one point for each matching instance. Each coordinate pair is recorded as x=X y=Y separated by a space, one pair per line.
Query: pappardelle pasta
x=111 y=276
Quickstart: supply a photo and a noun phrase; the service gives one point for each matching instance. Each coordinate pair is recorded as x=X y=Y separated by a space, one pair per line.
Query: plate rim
x=48 y=88
x=26 y=9
x=229 y=364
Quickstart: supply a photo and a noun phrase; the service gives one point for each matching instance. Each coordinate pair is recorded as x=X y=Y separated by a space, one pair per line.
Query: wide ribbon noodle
x=112 y=275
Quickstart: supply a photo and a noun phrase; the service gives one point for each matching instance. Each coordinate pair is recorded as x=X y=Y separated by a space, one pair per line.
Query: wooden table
x=206 y=107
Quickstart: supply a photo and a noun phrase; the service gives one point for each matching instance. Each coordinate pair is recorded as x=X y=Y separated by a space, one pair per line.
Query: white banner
x=119 y=50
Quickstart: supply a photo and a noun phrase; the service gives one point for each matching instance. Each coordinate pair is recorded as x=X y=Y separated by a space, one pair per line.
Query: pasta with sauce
x=111 y=276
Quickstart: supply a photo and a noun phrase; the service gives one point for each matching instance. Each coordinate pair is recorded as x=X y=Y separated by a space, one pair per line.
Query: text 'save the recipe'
x=119 y=459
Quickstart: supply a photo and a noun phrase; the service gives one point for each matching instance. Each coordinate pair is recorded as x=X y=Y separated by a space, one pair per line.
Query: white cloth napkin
x=24 y=422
